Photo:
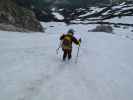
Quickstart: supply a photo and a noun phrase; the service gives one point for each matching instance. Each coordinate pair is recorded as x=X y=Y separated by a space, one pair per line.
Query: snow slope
x=31 y=70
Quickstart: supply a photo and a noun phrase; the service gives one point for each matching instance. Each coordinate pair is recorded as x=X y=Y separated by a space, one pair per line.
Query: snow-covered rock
x=58 y=16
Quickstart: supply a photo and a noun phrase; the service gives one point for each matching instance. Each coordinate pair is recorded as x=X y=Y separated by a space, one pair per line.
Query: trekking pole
x=78 y=52
x=58 y=47
x=77 y=55
x=57 y=50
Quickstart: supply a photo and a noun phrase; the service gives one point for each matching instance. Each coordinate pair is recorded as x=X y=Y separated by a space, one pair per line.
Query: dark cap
x=71 y=31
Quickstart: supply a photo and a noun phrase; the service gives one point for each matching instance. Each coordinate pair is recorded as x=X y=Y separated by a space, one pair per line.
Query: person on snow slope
x=67 y=40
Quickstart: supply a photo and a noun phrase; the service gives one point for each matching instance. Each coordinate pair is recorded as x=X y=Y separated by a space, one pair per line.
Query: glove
x=79 y=41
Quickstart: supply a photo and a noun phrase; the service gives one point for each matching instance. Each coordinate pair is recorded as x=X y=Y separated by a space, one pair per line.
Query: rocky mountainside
x=16 y=18
x=67 y=3
x=93 y=15
x=61 y=3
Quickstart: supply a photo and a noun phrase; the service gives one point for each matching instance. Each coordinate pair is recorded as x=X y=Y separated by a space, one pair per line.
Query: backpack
x=66 y=43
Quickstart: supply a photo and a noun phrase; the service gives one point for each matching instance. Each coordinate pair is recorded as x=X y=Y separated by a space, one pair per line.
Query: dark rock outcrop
x=103 y=28
x=16 y=16
x=44 y=15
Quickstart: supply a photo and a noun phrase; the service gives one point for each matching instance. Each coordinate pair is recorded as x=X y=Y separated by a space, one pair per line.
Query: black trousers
x=67 y=53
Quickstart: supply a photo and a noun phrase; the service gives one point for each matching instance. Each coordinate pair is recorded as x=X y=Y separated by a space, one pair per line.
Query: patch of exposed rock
x=16 y=18
x=103 y=28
